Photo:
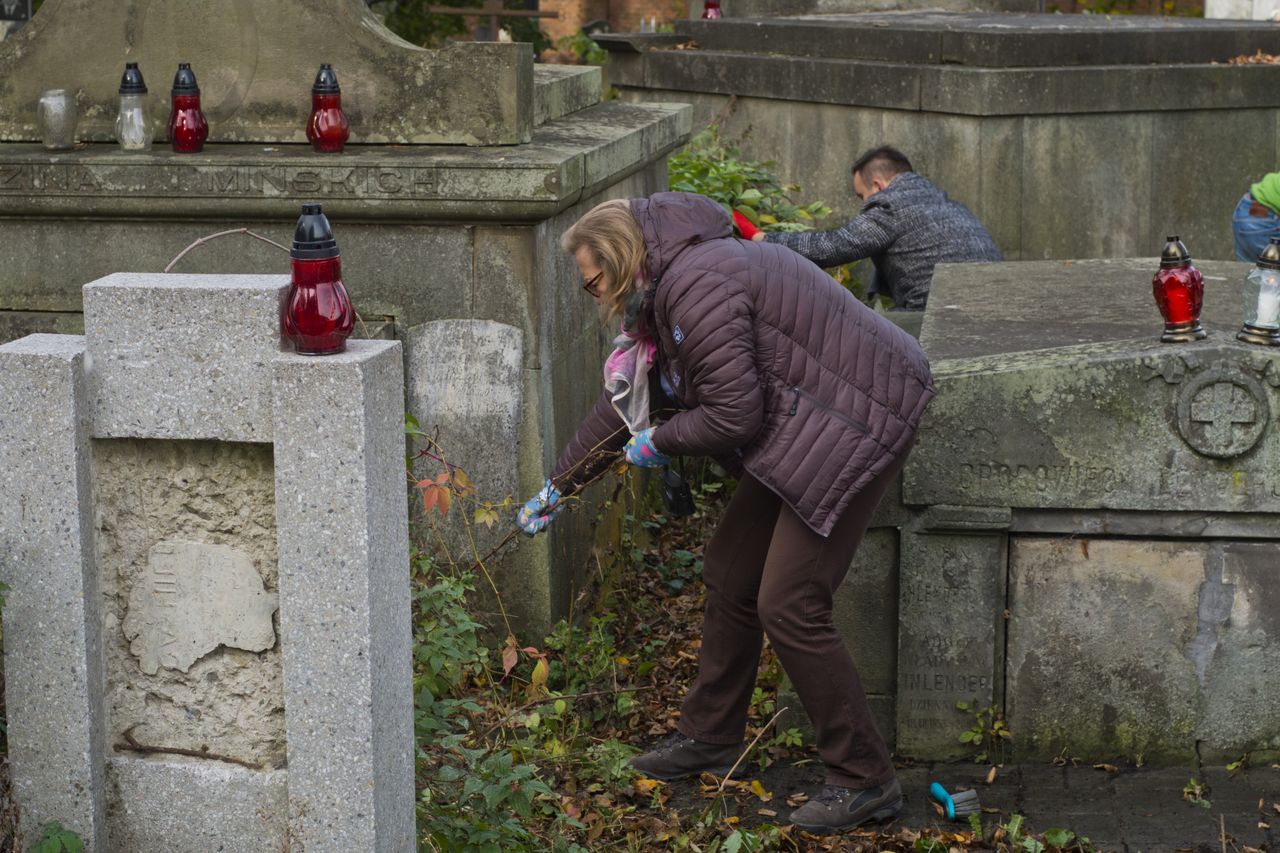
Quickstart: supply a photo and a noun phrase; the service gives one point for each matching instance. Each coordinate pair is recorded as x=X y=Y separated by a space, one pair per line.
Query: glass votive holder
x=57 y=117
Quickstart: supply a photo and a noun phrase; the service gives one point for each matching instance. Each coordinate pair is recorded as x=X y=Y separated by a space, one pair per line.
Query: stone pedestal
x=180 y=481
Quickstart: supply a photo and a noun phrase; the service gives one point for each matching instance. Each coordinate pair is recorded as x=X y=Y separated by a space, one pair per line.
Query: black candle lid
x=313 y=238
x=131 y=83
x=184 y=82
x=326 y=81
x=1175 y=253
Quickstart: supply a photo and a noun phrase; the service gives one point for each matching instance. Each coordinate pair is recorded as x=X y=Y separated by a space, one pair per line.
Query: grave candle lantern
x=327 y=127
x=317 y=315
x=711 y=10
x=133 y=131
x=188 y=128
x=1179 y=290
x=1262 y=299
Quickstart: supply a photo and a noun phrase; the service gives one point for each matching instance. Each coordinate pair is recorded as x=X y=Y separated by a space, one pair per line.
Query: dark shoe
x=839 y=809
x=678 y=757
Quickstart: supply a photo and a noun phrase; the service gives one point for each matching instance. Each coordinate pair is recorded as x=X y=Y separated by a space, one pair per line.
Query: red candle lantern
x=317 y=315
x=711 y=10
x=327 y=128
x=1179 y=290
x=188 y=128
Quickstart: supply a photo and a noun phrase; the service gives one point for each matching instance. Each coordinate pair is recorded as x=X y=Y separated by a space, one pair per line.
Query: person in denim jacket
x=1256 y=219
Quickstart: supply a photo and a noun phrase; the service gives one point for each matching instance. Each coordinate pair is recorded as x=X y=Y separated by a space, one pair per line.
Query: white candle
x=1268 y=307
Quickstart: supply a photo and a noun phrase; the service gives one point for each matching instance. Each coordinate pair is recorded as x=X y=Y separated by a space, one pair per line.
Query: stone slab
x=1111 y=297
x=194 y=806
x=955 y=90
x=1073 y=687
x=1237 y=654
x=182 y=356
x=465 y=386
x=53 y=690
x=564 y=161
x=1062 y=430
x=990 y=39
x=950 y=637
x=561 y=90
x=193 y=598
x=256 y=61
x=344 y=591
x=866 y=611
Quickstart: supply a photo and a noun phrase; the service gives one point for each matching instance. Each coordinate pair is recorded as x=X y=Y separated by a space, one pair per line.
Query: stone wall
x=1053 y=131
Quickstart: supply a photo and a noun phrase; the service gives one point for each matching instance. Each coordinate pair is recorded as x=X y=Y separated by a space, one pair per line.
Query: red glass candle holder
x=1179 y=291
x=711 y=10
x=327 y=128
x=317 y=316
x=187 y=128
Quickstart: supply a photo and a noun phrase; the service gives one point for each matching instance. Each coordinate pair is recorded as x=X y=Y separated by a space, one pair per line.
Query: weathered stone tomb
x=1093 y=545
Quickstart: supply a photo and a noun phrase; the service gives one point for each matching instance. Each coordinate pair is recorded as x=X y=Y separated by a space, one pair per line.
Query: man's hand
x=641 y=453
x=539 y=510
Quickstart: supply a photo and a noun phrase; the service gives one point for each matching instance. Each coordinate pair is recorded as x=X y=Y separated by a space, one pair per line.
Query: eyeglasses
x=590 y=285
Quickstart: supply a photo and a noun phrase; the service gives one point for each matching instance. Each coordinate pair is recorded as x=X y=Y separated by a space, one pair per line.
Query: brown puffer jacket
x=771 y=359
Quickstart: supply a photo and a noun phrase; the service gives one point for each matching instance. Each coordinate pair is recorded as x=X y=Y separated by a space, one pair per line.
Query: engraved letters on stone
x=193 y=597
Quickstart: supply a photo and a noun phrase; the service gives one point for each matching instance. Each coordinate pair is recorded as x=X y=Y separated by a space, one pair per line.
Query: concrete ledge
x=560 y=90
x=954 y=89
x=568 y=159
x=194 y=806
x=996 y=40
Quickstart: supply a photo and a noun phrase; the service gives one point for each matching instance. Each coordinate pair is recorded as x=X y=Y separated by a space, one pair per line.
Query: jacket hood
x=671 y=222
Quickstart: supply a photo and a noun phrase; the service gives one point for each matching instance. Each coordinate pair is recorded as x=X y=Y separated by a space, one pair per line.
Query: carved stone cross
x=1220 y=406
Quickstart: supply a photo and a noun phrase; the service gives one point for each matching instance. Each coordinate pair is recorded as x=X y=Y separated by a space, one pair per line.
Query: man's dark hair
x=883 y=162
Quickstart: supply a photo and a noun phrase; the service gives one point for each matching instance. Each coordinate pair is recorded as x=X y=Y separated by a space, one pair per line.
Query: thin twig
x=750 y=746
x=245 y=231
x=132 y=745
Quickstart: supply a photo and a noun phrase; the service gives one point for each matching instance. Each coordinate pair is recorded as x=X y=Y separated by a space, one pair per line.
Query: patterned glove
x=745 y=228
x=539 y=510
x=641 y=452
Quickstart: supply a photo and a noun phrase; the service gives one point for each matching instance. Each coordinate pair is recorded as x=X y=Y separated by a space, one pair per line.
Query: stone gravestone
x=1096 y=547
x=207 y=635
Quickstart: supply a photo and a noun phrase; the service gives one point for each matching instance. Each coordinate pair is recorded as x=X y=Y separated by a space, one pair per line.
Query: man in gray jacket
x=906 y=227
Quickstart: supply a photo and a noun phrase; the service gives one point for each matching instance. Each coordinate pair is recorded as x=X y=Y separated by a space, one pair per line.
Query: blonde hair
x=613 y=237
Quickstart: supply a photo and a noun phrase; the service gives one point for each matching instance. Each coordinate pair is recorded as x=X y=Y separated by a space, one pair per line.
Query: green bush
x=715 y=168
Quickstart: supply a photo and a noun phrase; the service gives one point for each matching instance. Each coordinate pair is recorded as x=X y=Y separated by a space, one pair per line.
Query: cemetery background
x=609 y=712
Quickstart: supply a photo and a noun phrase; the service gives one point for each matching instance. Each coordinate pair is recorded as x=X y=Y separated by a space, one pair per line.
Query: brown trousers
x=765 y=569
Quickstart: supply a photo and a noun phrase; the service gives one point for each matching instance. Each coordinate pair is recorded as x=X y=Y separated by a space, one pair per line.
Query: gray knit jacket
x=905 y=229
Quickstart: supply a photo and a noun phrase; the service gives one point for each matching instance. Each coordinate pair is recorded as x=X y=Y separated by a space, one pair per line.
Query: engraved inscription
x=1222 y=412
x=192 y=598
x=1078 y=479
x=946 y=682
x=219 y=181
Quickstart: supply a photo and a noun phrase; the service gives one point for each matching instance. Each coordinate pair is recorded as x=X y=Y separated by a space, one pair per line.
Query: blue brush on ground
x=959 y=805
